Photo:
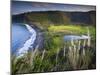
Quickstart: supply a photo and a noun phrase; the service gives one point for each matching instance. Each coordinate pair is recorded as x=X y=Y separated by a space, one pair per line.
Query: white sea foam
x=29 y=42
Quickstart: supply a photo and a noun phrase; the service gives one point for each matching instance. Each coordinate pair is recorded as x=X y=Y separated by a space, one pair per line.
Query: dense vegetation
x=57 y=54
x=57 y=17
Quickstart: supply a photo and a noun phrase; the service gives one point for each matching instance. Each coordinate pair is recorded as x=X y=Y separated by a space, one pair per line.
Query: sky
x=18 y=7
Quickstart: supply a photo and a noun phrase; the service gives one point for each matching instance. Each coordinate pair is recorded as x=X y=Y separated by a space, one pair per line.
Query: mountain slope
x=57 y=17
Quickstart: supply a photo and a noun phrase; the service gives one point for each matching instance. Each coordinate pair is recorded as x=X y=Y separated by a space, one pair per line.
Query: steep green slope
x=44 y=19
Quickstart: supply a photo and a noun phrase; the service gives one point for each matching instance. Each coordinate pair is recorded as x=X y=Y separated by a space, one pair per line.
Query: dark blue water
x=19 y=35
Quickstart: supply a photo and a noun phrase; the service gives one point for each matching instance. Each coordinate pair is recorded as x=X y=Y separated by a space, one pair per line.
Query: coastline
x=39 y=38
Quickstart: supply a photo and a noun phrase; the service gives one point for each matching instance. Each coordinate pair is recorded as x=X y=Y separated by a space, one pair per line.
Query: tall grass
x=57 y=55
x=47 y=61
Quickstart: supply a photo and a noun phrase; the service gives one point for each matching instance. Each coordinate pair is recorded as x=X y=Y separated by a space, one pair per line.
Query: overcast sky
x=18 y=7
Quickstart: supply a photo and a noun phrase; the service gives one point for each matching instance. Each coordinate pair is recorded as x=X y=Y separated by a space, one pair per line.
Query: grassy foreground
x=57 y=54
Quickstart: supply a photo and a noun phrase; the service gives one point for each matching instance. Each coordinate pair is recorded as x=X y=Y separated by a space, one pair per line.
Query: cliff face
x=57 y=17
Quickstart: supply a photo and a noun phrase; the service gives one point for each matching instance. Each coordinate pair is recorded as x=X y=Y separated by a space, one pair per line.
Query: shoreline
x=39 y=38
